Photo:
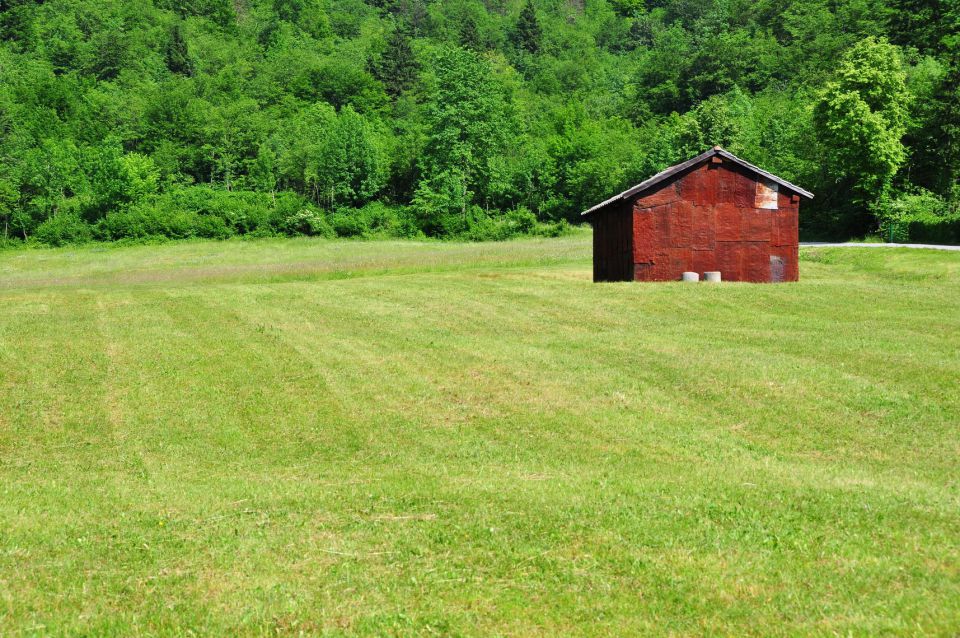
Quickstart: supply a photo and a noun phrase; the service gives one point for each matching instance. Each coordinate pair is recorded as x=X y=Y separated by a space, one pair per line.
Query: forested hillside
x=464 y=118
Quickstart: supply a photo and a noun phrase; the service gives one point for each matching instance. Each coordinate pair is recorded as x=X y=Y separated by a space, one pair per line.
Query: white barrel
x=713 y=276
x=691 y=276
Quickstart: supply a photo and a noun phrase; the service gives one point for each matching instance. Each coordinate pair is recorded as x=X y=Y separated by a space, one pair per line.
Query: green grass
x=398 y=438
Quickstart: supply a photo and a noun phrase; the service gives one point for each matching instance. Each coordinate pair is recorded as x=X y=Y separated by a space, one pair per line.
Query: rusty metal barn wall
x=708 y=220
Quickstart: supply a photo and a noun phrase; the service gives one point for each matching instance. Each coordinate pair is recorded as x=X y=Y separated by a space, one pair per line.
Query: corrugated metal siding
x=708 y=219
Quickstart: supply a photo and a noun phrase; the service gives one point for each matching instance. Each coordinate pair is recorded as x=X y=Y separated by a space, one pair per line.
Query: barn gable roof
x=690 y=163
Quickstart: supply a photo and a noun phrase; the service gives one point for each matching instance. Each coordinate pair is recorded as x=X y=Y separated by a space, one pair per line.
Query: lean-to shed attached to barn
x=714 y=212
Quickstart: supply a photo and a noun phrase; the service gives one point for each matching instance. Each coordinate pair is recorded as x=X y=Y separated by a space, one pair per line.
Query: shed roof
x=690 y=163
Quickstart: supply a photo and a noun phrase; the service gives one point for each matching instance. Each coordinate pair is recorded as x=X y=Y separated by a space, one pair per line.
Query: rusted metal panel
x=785 y=199
x=757 y=224
x=681 y=224
x=644 y=235
x=704 y=230
x=712 y=176
x=661 y=266
x=790 y=255
x=793 y=263
x=661 y=221
x=726 y=186
x=744 y=193
x=755 y=263
x=643 y=272
x=785 y=228
x=702 y=261
x=729 y=220
x=697 y=185
x=729 y=258
x=680 y=260
x=668 y=194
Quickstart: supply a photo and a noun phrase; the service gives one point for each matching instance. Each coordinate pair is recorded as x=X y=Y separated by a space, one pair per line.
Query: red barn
x=714 y=212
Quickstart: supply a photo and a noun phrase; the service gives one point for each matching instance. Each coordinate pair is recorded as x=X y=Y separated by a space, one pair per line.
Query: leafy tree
x=935 y=136
x=263 y=170
x=339 y=81
x=924 y=24
x=63 y=229
x=349 y=167
x=335 y=159
x=468 y=124
x=592 y=160
x=141 y=178
x=230 y=137
x=15 y=20
x=308 y=15
x=627 y=8
x=54 y=180
x=442 y=201
x=860 y=119
x=9 y=197
x=659 y=78
x=220 y=12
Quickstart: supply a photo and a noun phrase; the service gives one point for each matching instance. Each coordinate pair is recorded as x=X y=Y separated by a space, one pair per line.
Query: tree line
x=477 y=119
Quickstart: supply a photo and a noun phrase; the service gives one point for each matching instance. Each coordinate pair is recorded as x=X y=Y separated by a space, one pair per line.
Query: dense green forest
x=134 y=119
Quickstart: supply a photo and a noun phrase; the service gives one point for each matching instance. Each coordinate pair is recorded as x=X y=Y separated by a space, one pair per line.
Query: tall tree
x=946 y=122
x=176 y=54
x=413 y=13
x=468 y=125
x=8 y=202
x=861 y=120
x=470 y=34
x=397 y=67
x=527 y=34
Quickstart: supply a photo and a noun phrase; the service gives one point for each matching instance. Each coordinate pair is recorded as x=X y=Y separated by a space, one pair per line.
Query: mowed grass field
x=301 y=437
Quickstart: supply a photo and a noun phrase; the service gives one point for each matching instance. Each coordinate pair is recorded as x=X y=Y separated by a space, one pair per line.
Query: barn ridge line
x=690 y=163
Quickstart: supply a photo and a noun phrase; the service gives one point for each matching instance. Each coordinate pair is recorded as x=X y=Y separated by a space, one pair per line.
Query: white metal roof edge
x=677 y=168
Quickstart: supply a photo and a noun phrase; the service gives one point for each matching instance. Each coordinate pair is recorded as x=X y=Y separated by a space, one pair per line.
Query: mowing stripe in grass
x=498 y=447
